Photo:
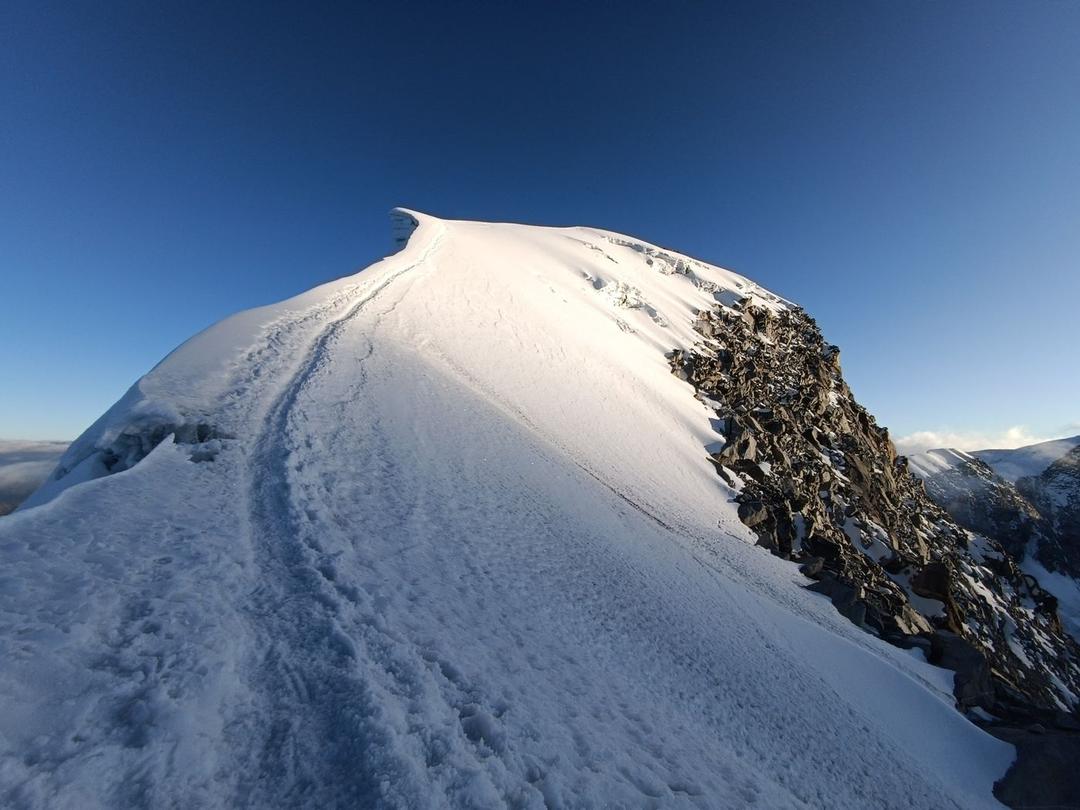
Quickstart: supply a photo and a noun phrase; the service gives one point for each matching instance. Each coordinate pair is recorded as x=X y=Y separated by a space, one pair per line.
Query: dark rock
x=855 y=612
x=749 y=469
x=752 y=513
x=812 y=567
x=1066 y=720
x=932 y=581
x=823 y=547
x=972 y=683
x=722 y=472
x=742 y=448
x=1045 y=773
x=840 y=593
x=1055 y=493
x=912 y=641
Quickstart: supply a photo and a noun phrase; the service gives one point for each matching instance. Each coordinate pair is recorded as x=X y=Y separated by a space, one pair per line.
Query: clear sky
x=907 y=171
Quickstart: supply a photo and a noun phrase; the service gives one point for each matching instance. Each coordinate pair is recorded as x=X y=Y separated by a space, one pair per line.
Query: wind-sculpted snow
x=459 y=549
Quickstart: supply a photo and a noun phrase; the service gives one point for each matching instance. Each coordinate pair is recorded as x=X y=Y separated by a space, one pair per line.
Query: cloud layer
x=1015 y=436
x=23 y=466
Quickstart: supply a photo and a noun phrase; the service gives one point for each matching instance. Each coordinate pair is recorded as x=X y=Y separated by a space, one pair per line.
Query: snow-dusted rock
x=817 y=478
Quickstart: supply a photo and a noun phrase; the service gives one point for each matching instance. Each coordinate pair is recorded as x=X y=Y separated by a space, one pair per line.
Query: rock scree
x=821 y=484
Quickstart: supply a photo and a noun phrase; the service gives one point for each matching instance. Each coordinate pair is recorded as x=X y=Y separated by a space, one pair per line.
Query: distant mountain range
x=1027 y=499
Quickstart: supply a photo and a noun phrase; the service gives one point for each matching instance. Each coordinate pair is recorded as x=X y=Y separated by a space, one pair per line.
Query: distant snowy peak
x=937 y=461
x=1027 y=498
x=978 y=498
x=1022 y=462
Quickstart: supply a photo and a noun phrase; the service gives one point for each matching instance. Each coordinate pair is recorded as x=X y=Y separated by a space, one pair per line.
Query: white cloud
x=920 y=441
x=23 y=466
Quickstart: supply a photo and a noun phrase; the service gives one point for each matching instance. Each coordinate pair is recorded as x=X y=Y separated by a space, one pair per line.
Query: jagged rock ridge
x=820 y=483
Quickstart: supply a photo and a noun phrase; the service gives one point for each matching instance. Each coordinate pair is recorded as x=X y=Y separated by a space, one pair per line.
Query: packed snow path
x=460 y=551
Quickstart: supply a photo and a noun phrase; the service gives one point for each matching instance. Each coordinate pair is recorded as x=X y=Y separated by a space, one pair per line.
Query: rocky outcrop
x=820 y=483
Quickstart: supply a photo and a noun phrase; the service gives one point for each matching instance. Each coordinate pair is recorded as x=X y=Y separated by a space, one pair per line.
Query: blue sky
x=908 y=172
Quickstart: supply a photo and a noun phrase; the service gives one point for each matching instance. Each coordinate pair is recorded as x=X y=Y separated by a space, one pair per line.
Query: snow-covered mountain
x=980 y=499
x=24 y=465
x=1025 y=462
x=1027 y=499
x=451 y=533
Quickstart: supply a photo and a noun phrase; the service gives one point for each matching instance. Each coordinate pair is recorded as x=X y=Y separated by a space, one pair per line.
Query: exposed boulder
x=753 y=513
x=973 y=685
x=933 y=581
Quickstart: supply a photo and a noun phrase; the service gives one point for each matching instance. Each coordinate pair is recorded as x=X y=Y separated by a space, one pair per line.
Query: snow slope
x=937 y=461
x=450 y=540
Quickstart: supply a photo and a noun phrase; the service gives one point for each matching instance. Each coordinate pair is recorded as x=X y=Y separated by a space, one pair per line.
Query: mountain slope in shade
x=444 y=534
x=1027 y=499
x=979 y=499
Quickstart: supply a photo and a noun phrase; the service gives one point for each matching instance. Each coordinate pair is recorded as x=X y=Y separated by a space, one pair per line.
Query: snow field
x=461 y=548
